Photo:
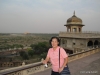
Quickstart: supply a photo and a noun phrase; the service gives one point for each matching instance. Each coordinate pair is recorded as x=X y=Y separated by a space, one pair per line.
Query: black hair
x=54 y=37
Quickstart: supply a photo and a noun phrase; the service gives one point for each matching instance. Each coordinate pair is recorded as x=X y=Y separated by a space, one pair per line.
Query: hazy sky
x=47 y=16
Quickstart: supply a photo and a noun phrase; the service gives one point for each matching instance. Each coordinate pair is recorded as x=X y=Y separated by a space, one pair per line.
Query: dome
x=74 y=20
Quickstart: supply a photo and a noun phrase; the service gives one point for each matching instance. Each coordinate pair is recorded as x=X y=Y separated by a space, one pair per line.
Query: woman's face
x=54 y=43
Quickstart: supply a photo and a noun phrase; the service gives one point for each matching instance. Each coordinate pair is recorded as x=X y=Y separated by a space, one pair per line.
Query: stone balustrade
x=93 y=32
x=37 y=67
x=25 y=69
x=80 y=35
x=82 y=54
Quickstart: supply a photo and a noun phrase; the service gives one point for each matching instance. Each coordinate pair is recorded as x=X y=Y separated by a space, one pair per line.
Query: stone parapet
x=82 y=54
x=80 y=35
x=37 y=67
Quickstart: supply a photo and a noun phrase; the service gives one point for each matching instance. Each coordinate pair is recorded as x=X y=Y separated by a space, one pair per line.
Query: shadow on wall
x=69 y=51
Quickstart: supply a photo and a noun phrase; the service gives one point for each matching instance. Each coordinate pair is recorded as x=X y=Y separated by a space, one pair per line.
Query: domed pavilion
x=74 y=24
x=75 y=40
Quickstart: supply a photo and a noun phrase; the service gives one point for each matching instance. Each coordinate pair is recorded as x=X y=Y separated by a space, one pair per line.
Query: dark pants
x=64 y=72
x=55 y=73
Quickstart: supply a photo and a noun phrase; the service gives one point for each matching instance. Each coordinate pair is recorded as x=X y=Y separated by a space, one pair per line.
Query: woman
x=53 y=56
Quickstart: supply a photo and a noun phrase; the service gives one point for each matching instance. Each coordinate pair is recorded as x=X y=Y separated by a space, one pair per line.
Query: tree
x=21 y=53
x=31 y=53
x=21 y=46
x=17 y=46
x=40 y=47
x=24 y=55
x=1 y=48
x=29 y=48
x=12 y=46
x=32 y=46
x=43 y=55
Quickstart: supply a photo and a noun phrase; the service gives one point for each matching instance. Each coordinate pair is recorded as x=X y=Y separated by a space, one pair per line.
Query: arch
x=90 y=43
x=8 y=65
x=99 y=44
x=11 y=65
x=0 y=65
x=96 y=43
x=79 y=29
x=74 y=29
x=63 y=41
x=4 y=65
x=69 y=30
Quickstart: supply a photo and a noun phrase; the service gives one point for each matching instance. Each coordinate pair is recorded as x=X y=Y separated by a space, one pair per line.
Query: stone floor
x=89 y=65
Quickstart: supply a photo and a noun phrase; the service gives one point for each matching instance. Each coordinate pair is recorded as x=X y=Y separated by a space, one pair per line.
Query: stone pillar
x=42 y=60
x=24 y=72
x=42 y=66
x=96 y=46
x=93 y=45
x=77 y=29
x=81 y=29
x=71 y=30
x=23 y=63
x=67 y=29
x=86 y=44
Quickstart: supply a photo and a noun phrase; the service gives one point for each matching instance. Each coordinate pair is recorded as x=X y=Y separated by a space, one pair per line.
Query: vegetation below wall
x=36 y=52
x=37 y=45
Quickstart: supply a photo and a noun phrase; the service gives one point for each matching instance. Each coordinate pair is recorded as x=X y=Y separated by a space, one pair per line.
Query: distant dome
x=74 y=20
x=74 y=24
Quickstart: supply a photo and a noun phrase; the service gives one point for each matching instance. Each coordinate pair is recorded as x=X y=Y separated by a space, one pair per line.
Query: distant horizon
x=29 y=33
x=41 y=32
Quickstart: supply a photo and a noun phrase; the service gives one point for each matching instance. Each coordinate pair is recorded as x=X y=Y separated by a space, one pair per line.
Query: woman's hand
x=44 y=62
x=60 y=69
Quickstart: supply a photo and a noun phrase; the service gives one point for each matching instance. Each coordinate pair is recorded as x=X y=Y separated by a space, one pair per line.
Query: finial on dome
x=74 y=12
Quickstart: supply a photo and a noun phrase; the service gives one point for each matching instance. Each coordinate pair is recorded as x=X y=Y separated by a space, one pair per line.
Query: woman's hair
x=54 y=37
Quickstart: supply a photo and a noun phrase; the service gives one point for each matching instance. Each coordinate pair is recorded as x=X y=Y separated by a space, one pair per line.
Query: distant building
x=75 y=39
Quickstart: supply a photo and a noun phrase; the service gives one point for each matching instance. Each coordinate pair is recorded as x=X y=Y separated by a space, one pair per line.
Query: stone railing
x=37 y=67
x=79 y=35
x=25 y=69
x=93 y=32
x=82 y=54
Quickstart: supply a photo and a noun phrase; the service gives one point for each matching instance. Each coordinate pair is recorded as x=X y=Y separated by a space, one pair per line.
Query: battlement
x=84 y=34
